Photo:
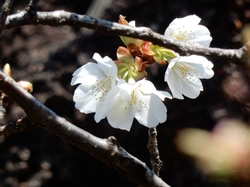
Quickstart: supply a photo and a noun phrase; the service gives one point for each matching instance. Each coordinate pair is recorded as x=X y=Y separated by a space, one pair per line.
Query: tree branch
x=4 y=13
x=152 y=146
x=59 y=18
x=32 y=7
x=107 y=150
x=14 y=127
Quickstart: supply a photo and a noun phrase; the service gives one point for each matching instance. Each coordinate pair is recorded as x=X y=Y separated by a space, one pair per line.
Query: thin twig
x=32 y=8
x=155 y=160
x=107 y=150
x=60 y=17
x=15 y=126
x=4 y=13
x=2 y=109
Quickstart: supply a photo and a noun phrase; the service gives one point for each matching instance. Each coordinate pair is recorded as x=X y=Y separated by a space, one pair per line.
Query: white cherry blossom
x=184 y=73
x=188 y=30
x=97 y=84
x=140 y=100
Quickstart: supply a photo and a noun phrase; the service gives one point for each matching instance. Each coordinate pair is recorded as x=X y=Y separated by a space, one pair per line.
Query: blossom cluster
x=118 y=89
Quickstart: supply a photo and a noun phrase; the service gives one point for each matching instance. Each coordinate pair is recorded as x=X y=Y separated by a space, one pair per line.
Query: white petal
x=95 y=92
x=190 y=92
x=202 y=41
x=201 y=64
x=120 y=115
x=163 y=94
x=200 y=35
x=100 y=114
x=146 y=86
x=132 y=23
x=85 y=102
x=137 y=101
x=125 y=90
x=149 y=109
x=183 y=75
x=193 y=82
x=153 y=111
x=103 y=107
x=204 y=72
x=88 y=74
x=174 y=83
x=188 y=20
x=146 y=119
x=200 y=30
x=158 y=108
x=142 y=113
x=187 y=30
x=106 y=65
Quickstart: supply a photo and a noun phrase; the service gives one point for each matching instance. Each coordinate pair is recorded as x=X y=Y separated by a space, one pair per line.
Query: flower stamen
x=187 y=73
x=101 y=88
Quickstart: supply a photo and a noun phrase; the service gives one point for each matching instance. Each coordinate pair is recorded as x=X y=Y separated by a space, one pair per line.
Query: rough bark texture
x=4 y=13
x=107 y=150
x=60 y=18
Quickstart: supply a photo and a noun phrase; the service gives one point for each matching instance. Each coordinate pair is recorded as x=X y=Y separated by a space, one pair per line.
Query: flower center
x=101 y=88
x=186 y=72
x=182 y=34
x=134 y=101
x=133 y=97
x=180 y=37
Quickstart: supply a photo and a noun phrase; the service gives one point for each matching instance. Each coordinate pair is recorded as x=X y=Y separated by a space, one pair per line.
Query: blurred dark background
x=47 y=57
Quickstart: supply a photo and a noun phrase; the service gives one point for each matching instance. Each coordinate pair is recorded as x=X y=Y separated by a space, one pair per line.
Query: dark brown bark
x=4 y=13
x=107 y=150
x=59 y=18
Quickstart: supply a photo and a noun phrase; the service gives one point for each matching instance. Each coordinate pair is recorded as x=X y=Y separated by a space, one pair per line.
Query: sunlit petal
x=88 y=71
x=189 y=31
x=158 y=109
x=97 y=84
x=106 y=65
x=174 y=83
x=184 y=73
x=140 y=100
x=121 y=114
